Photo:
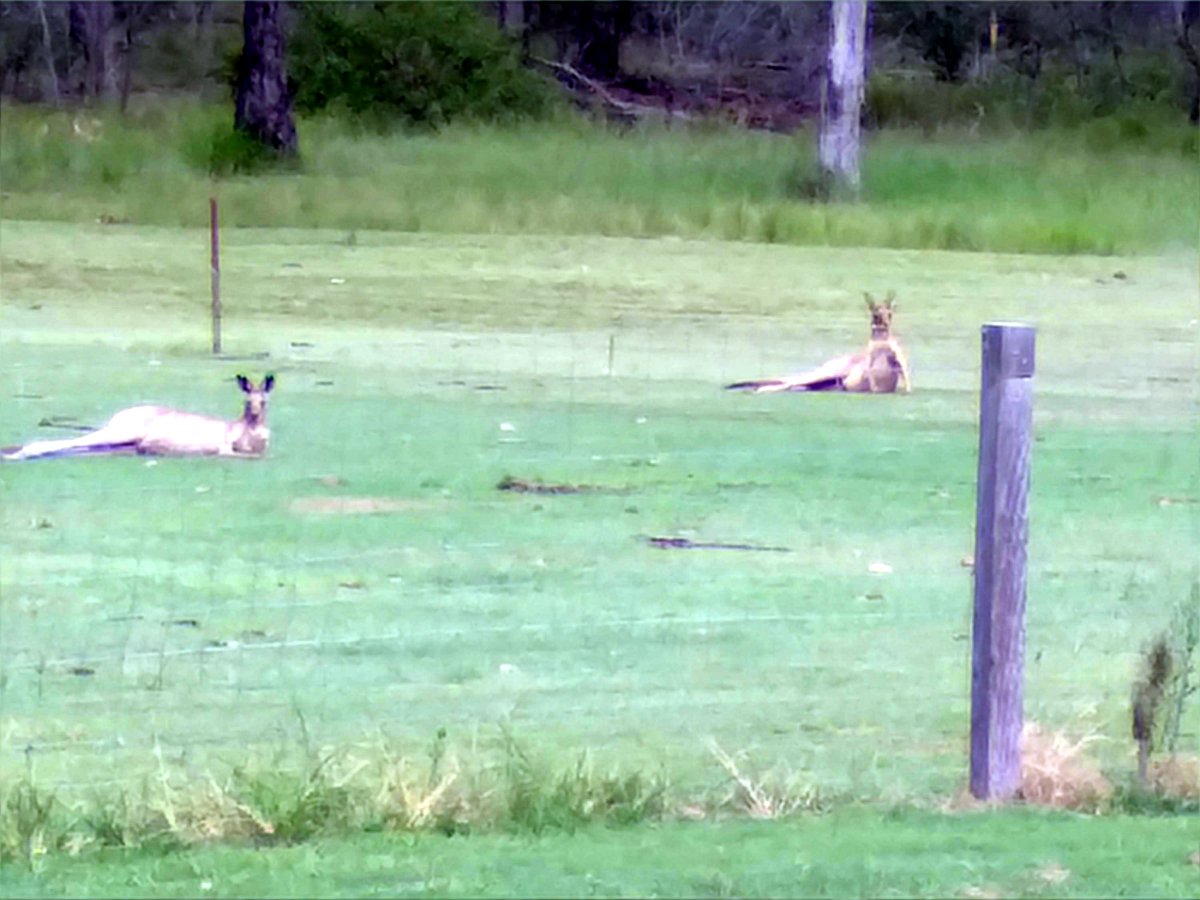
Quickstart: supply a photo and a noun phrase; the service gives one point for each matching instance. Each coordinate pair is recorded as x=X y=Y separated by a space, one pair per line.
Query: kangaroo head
x=256 y=398
x=881 y=315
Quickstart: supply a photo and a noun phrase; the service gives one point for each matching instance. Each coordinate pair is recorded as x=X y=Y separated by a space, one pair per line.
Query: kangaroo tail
x=753 y=385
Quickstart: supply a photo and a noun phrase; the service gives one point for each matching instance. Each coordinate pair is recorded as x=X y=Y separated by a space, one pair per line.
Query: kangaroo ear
x=268 y=383
x=891 y=299
x=244 y=383
x=870 y=302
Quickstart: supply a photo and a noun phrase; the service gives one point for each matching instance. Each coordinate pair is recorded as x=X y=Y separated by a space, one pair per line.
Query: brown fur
x=879 y=369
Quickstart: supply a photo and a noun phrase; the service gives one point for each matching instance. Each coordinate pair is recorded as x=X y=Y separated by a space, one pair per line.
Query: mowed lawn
x=849 y=853
x=370 y=582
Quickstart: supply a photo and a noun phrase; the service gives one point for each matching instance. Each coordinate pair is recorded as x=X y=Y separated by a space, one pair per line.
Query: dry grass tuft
x=982 y=892
x=1052 y=873
x=411 y=797
x=764 y=797
x=1176 y=776
x=1055 y=771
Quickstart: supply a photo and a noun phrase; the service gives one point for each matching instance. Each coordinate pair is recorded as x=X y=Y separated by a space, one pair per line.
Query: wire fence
x=137 y=618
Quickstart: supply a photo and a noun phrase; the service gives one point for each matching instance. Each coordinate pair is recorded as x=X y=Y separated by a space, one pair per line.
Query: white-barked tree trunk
x=845 y=87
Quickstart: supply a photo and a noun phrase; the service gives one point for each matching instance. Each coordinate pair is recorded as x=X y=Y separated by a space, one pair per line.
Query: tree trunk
x=512 y=22
x=845 y=87
x=263 y=107
x=92 y=48
x=1186 y=15
x=48 y=49
x=511 y=14
x=600 y=28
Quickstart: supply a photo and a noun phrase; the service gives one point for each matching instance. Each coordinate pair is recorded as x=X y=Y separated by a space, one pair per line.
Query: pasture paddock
x=368 y=577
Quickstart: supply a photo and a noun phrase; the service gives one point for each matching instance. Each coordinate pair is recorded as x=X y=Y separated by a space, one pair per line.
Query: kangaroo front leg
x=904 y=376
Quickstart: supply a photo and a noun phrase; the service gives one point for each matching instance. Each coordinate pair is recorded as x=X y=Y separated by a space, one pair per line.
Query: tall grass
x=1101 y=188
x=291 y=797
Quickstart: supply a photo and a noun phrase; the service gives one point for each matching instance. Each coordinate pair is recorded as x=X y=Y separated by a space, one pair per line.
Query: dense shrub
x=1146 y=90
x=417 y=63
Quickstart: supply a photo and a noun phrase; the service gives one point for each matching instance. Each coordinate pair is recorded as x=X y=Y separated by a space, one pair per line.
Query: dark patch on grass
x=524 y=486
x=680 y=543
x=458 y=382
x=63 y=422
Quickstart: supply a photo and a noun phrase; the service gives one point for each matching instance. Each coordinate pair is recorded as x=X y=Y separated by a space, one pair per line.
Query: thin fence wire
x=101 y=667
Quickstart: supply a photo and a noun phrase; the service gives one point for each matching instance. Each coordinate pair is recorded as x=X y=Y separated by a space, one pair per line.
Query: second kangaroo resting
x=162 y=431
x=878 y=369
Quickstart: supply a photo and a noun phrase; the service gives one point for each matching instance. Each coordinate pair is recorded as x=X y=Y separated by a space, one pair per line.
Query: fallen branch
x=623 y=107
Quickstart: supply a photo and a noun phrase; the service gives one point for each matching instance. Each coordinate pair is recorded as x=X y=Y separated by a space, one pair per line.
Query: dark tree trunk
x=600 y=28
x=511 y=14
x=263 y=107
x=1187 y=15
x=91 y=48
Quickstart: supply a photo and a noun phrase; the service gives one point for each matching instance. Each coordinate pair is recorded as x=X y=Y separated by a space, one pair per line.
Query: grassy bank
x=1093 y=189
x=852 y=853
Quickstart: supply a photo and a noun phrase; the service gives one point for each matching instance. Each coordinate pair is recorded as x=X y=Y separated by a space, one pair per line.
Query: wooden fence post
x=216 y=276
x=1001 y=532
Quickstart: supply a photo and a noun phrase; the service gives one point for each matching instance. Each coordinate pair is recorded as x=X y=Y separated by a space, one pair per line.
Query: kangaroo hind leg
x=122 y=433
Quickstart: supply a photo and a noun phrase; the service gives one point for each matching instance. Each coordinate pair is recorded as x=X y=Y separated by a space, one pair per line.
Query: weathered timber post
x=216 y=275
x=1001 y=533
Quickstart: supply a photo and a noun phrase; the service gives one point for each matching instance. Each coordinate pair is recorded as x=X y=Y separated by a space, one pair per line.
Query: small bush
x=1056 y=772
x=773 y=795
x=535 y=799
x=1177 y=776
x=289 y=806
x=1009 y=101
x=222 y=150
x=115 y=820
x=28 y=827
x=416 y=63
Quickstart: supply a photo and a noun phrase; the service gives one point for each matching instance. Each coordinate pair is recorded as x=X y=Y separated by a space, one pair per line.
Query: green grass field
x=367 y=585
x=854 y=853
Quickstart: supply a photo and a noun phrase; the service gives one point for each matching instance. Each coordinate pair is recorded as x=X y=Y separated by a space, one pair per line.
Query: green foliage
x=226 y=151
x=1183 y=640
x=412 y=63
x=1133 y=799
x=291 y=806
x=1098 y=188
x=943 y=32
x=537 y=799
x=116 y=819
x=1009 y=102
x=29 y=827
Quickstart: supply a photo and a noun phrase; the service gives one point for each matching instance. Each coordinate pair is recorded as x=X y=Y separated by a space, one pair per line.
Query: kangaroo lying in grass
x=878 y=369
x=161 y=431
